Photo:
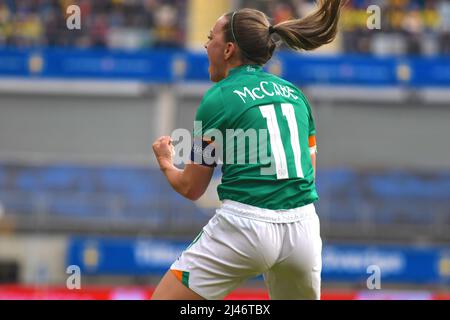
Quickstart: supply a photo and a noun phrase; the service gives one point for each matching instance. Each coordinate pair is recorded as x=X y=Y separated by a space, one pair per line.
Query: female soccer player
x=267 y=223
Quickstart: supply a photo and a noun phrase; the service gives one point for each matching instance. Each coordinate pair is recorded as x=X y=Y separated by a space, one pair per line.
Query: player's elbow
x=193 y=194
x=195 y=181
x=192 y=191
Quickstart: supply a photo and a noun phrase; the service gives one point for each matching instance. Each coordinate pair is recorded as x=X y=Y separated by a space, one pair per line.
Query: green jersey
x=266 y=126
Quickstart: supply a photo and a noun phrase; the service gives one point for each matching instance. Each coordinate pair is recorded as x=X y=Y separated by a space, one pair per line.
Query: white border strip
x=72 y=87
x=125 y=88
x=435 y=95
x=358 y=94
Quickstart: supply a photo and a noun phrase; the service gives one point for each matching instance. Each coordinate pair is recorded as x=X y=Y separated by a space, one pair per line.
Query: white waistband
x=267 y=215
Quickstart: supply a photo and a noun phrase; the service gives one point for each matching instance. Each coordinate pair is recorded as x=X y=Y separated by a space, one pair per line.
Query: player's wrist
x=164 y=163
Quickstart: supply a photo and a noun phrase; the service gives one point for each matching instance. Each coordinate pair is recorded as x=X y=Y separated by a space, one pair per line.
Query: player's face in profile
x=215 y=47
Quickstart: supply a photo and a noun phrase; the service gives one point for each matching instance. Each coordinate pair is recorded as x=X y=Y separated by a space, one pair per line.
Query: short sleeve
x=311 y=123
x=210 y=114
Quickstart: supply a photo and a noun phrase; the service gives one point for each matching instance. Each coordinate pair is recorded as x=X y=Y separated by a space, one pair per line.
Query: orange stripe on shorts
x=178 y=274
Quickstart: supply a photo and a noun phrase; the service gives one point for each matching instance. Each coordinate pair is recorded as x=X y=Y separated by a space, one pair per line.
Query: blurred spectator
x=165 y=30
x=5 y=26
x=444 y=26
x=413 y=26
x=282 y=13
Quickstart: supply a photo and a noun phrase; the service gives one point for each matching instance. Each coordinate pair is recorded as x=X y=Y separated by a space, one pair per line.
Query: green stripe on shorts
x=185 y=279
x=196 y=239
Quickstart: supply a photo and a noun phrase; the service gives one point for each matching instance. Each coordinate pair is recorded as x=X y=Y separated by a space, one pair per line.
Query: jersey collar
x=247 y=68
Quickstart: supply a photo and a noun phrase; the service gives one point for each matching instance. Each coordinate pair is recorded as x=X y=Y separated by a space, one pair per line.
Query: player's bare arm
x=192 y=181
x=313 y=161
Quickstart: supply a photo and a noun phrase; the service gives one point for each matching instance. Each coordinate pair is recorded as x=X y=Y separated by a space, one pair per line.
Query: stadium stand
x=140 y=196
x=419 y=27
x=88 y=194
x=106 y=23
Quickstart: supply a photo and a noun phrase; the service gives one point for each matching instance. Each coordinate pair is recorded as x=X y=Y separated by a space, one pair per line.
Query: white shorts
x=242 y=241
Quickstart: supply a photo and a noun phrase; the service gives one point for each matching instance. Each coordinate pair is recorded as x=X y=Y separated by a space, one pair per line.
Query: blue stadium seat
x=127 y=194
x=14 y=203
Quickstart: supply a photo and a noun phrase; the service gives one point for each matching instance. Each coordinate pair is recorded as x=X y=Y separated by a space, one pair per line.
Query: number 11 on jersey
x=276 y=144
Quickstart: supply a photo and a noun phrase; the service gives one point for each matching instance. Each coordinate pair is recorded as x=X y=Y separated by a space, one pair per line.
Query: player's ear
x=230 y=49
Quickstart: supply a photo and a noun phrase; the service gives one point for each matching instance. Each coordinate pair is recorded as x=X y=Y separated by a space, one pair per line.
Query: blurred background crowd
x=106 y=23
x=407 y=26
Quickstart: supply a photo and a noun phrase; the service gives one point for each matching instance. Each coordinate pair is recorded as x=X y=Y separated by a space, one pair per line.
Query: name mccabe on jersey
x=265 y=89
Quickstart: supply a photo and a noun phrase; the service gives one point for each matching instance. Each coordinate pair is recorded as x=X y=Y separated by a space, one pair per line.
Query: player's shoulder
x=213 y=94
x=222 y=90
x=294 y=87
x=284 y=82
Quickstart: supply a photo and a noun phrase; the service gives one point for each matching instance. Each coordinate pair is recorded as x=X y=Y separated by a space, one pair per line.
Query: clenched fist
x=164 y=151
